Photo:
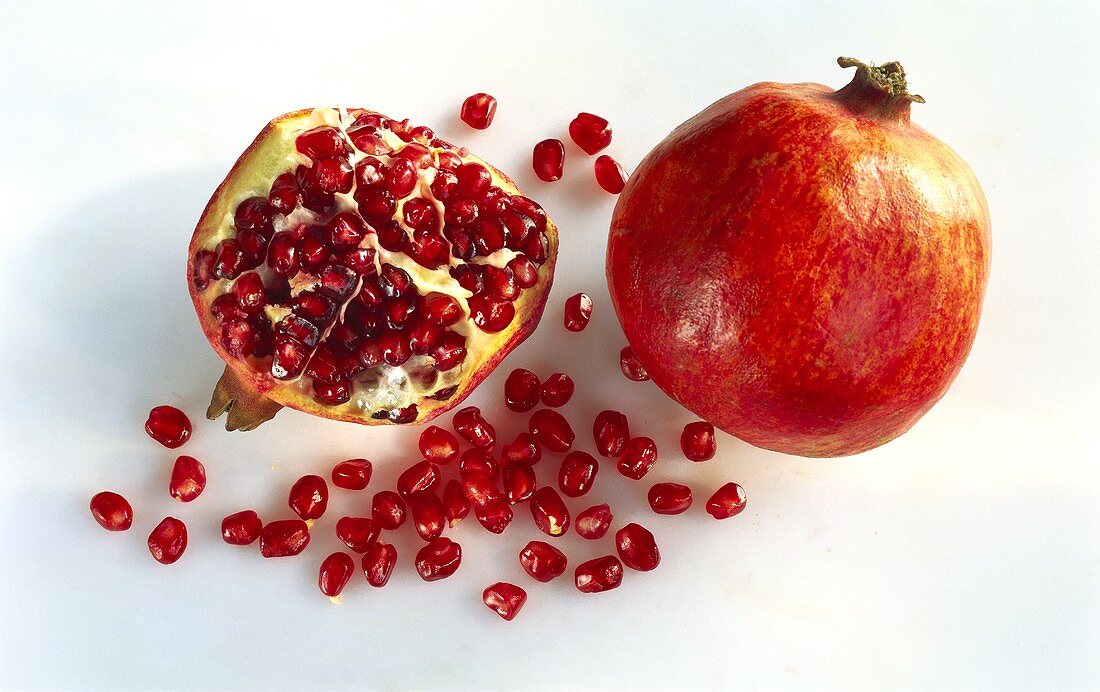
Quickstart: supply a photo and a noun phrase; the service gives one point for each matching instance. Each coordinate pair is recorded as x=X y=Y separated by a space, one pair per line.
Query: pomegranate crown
x=878 y=89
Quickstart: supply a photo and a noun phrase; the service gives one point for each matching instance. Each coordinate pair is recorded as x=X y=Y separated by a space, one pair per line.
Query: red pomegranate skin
x=802 y=267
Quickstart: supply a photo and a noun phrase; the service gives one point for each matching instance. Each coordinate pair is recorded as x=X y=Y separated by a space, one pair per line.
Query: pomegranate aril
x=473 y=428
x=451 y=352
x=346 y=230
x=728 y=501
x=428 y=248
x=169 y=426
x=299 y=329
x=388 y=510
x=229 y=259
x=480 y=489
x=359 y=260
x=521 y=390
x=542 y=561
x=376 y=205
x=520 y=227
x=522 y=450
x=368 y=141
x=551 y=430
x=394 y=281
x=202 y=269
x=357 y=533
x=332 y=393
x=400 y=311
x=469 y=277
x=437 y=445
x=445 y=185
x=420 y=214
x=321 y=142
x=168 y=540
x=631 y=366
x=491 y=314
x=473 y=180
x=282 y=254
x=669 y=498
x=314 y=307
x=697 y=441
x=438 y=560
x=112 y=511
x=577 y=473
x=460 y=211
x=549 y=511
x=329 y=176
x=590 y=132
x=524 y=271
x=241 y=528
x=494 y=515
x=638 y=457
x=253 y=213
x=478 y=110
x=421 y=477
x=489 y=235
x=448 y=160
x=335 y=573
x=593 y=522
x=254 y=246
x=284 y=194
x=477 y=462
x=548 y=159
x=188 y=479
x=395 y=347
x=442 y=309
x=504 y=599
x=636 y=547
x=417 y=154
x=427 y=515
x=519 y=482
x=557 y=390
x=401 y=178
x=378 y=563
x=578 y=310
x=238 y=337
x=400 y=416
x=455 y=505
x=500 y=283
x=284 y=538
x=250 y=293
x=289 y=360
x=609 y=174
x=309 y=497
x=600 y=574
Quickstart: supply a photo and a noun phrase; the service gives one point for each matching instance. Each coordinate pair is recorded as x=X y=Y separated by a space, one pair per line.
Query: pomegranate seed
x=451 y=352
x=461 y=211
x=321 y=142
x=638 y=457
x=577 y=473
x=445 y=185
x=241 y=528
x=188 y=479
x=547 y=159
x=238 y=337
x=669 y=498
x=637 y=548
x=551 y=430
x=594 y=522
x=284 y=194
x=697 y=441
x=611 y=432
x=169 y=426
x=631 y=366
x=284 y=538
x=442 y=309
x=524 y=270
x=491 y=314
x=309 y=497
x=378 y=563
x=314 y=307
x=449 y=160
x=168 y=540
x=368 y=141
x=395 y=348
x=518 y=481
x=112 y=511
x=609 y=174
x=229 y=259
x=346 y=230
x=478 y=110
x=473 y=180
x=331 y=175
x=477 y=462
x=455 y=505
x=549 y=511
x=420 y=214
x=494 y=514
x=590 y=132
x=336 y=571
x=521 y=390
x=202 y=269
x=437 y=445
x=578 y=310
x=600 y=574
x=438 y=560
x=427 y=514
x=480 y=490
x=421 y=477
x=523 y=450
x=376 y=204
x=500 y=283
x=250 y=292
x=542 y=561
x=473 y=428
x=353 y=474
x=417 y=154
x=557 y=390
x=504 y=599
x=359 y=260
x=728 y=501
x=388 y=509
x=357 y=533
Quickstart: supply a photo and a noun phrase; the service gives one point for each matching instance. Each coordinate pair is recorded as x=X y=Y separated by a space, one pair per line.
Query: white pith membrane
x=385 y=389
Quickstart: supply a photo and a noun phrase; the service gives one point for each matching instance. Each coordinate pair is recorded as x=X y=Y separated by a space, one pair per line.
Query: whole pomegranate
x=359 y=268
x=802 y=267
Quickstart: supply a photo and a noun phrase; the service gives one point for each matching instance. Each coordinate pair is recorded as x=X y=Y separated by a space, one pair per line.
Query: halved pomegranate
x=357 y=268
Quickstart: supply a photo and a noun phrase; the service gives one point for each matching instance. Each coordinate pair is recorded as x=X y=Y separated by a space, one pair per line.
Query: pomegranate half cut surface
x=358 y=268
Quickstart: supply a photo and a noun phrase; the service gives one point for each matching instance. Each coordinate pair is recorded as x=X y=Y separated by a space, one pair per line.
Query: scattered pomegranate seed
x=169 y=426
x=697 y=441
x=168 y=540
x=480 y=489
x=609 y=174
x=477 y=462
x=421 y=477
x=112 y=511
x=594 y=522
x=631 y=366
x=521 y=390
x=388 y=509
x=548 y=160
x=284 y=538
x=493 y=514
x=637 y=548
x=378 y=563
x=578 y=311
x=522 y=450
x=353 y=474
x=309 y=497
x=669 y=498
x=504 y=599
x=336 y=571
x=638 y=457
x=551 y=430
x=728 y=501
x=478 y=111
x=455 y=505
x=590 y=132
x=438 y=445
x=543 y=561
x=557 y=390
x=577 y=473
x=600 y=574
x=357 y=533
x=427 y=515
x=518 y=480
x=438 y=560
x=469 y=423
x=241 y=528
x=549 y=511
x=611 y=433
x=188 y=479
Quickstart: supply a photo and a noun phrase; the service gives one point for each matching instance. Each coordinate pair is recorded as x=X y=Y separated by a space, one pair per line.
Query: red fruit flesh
x=548 y=160
x=611 y=433
x=557 y=390
x=388 y=509
x=438 y=446
x=284 y=538
x=697 y=441
x=594 y=522
x=835 y=292
x=438 y=560
x=669 y=498
x=631 y=366
x=578 y=311
x=168 y=540
x=504 y=599
x=478 y=110
x=455 y=505
x=590 y=132
x=519 y=482
x=637 y=458
x=577 y=473
x=609 y=174
x=549 y=511
x=241 y=528
x=357 y=533
x=427 y=514
x=637 y=548
x=309 y=497
x=378 y=563
x=727 y=501
x=353 y=474
x=522 y=450
x=493 y=514
x=551 y=430
x=112 y=511
x=188 y=479
x=601 y=574
x=521 y=390
x=474 y=428
x=169 y=426
x=543 y=561
x=335 y=573
x=421 y=477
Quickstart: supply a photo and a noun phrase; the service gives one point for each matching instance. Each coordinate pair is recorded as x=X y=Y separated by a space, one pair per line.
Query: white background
x=965 y=554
